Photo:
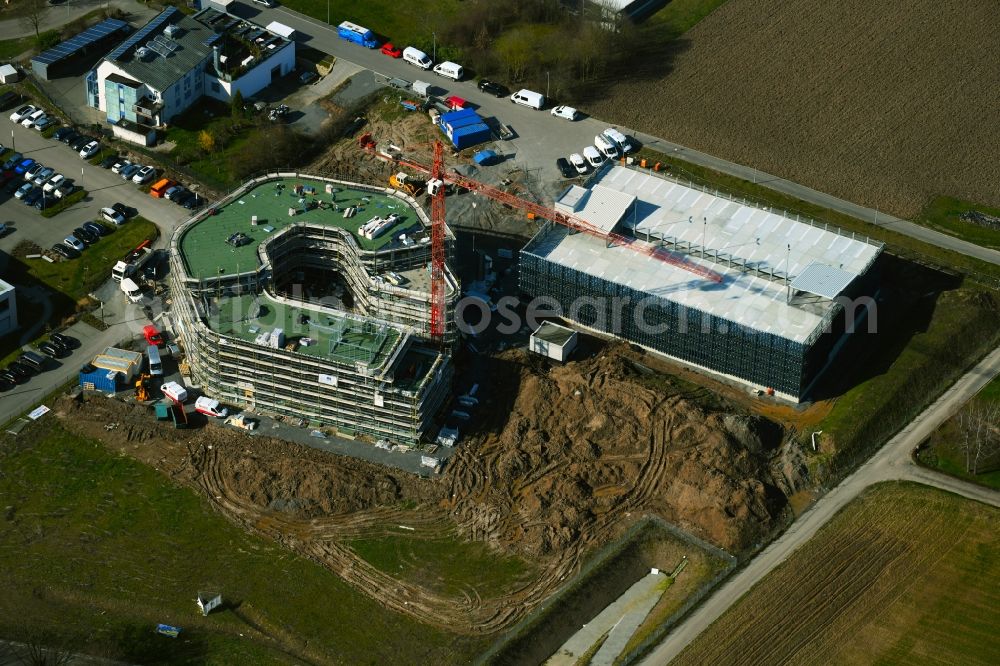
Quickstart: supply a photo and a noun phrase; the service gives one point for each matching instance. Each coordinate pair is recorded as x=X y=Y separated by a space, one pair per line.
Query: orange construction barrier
x=642 y=162
x=656 y=167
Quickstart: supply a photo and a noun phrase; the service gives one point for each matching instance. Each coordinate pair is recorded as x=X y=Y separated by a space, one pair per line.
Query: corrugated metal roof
x=602 y=206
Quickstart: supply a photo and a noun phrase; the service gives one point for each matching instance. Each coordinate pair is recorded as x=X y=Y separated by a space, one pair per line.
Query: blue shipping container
x=107 y=381
x=470 y=135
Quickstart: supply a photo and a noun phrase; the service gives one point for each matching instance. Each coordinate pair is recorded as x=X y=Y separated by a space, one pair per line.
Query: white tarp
x=280 y=29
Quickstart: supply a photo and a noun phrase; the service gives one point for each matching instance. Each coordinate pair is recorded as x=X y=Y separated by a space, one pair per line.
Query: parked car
x=22 y=113
x=33 y=195
x=113 y=216
x=129 y=171
x=567 y=112
x=143 y=175
x=65 y=341
x=109 y=161
x=120 y=164
x=23 y=166
x=392 y=50
x=65 y=188
x=580 y=164
x=565 y=168
x=23 y=371
x=90 y=150
x=33 y=171
x=97 y=228
x=62 y=133
x=174 y=192
x=3 y=229
x=80 y=141
x=593 y=156
x=11 y=161
x=191 y=201
x=267 y=3
x=44 y=122
x=493 y=88
x=50 y=349
x=69 y=137
x=43 y=176
x=30 y=119
x=65 y=251
x=23 y=190
x=210 y=407
x=44 y=201
x=152 y=335
x=86 y=236
x=174 y=391
x=53 y=182
x=307 y=77
x=75 y=243
x=122 y=209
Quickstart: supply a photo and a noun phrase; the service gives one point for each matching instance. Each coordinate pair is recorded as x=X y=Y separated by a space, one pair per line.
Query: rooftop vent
x=172 y=30
x=141 y=52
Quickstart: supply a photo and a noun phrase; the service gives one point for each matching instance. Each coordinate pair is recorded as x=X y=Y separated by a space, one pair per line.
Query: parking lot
x=104 y=187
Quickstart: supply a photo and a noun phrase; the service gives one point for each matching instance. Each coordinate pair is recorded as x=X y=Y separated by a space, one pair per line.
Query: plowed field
x=885 y=104
x=905 y=574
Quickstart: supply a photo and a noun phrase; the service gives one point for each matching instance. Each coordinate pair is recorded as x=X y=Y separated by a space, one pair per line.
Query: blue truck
x=353 y=32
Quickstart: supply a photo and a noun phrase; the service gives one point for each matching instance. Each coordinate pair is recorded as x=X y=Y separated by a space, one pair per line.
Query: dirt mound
x=568 y=456
x=587 y=441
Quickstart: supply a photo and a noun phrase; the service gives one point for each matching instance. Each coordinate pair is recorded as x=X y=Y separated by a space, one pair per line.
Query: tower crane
x=439 y=177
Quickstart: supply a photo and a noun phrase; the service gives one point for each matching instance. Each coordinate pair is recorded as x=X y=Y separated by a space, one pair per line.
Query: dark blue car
x=32 y=196
x=23 y=166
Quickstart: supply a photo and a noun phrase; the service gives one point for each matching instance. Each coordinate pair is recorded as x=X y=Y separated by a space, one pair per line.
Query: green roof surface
x=207 y=254
x=341 y=339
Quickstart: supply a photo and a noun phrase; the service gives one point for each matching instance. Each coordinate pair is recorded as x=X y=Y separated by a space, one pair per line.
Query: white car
x=593 y=157
x=174 y=391
x=90 y=150
x=210 y=407
x=567 y=112
x=53 y=183
x=22 y=113
x=31 y=119
x=118 y=166
x=578 y=163
x=75 y=243
x=113 y=216
x=143 y=175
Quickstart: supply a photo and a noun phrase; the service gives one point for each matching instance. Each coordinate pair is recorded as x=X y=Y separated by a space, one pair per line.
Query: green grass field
x=78 y=277
x=447 y=566
x=905 y=574
x=404 y=24
x=944 y=214
x=96 y=549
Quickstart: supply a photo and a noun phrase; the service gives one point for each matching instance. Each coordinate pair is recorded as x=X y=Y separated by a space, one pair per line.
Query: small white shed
x=9 y=74
x=208 y=602
x=552 y=340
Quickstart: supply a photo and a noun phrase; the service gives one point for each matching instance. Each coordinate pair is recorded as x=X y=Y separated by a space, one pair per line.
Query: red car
x=153 y=336
x=390 y=50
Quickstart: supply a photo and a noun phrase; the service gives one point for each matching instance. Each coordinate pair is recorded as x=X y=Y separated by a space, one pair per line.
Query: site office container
x=100 y=379
x=353 y=32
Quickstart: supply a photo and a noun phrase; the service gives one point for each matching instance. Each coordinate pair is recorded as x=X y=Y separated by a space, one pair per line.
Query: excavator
x=142 y=387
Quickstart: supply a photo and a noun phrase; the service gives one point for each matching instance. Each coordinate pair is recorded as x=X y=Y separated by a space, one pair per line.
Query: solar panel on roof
x=143 y=32
x=212 y=39
x=79 y=42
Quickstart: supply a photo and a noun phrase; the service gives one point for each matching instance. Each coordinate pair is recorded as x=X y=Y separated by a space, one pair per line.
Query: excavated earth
x=565 y=459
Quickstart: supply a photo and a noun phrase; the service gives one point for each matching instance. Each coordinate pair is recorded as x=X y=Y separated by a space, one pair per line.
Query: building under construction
x=310 y=298
x=765 y=299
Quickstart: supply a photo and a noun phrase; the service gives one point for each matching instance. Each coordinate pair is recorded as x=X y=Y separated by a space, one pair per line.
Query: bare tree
x=979 y=427
x=34 y=12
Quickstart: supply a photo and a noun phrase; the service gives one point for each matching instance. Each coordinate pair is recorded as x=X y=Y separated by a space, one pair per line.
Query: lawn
x=78 y=277
x=945 y=214
x=903 y=574
x=448 y=566
x=124 y=549
x=405 y=24
x=679 y=16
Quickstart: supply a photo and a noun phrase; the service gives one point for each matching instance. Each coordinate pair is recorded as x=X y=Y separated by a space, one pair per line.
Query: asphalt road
x=893 y=462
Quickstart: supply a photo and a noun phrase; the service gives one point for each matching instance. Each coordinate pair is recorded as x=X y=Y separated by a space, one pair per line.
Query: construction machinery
x=534 y=210
x=404 y=182
x=142 y=387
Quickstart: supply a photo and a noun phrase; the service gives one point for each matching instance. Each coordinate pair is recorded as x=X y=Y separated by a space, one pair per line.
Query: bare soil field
x=904 y=574
x=884 y=105
x=569 y=457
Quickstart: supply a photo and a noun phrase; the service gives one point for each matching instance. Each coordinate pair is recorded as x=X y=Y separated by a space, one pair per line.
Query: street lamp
x=328 y=12
x=435 y=37
x=546 y=83
x=12 y=146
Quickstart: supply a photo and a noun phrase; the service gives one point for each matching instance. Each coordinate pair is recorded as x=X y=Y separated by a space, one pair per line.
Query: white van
x=607 y=147
x=617 y=137
x=417 y=57
x=528 y=98
x=155 y=364
x=449 y=70
x=594 y=158
x=131 y=290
